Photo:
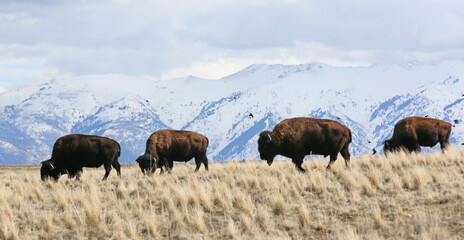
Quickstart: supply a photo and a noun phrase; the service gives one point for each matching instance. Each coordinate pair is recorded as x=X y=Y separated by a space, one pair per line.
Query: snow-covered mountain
x=230 y=111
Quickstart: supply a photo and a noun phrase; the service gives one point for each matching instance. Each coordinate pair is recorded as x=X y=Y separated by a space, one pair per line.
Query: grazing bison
x=73 y=152
x=413 y=132
x=166 y=146
x=297 y=137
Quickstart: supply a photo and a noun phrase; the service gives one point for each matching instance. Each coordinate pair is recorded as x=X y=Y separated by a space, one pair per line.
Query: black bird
x=338 y=118
x=426 y=115
x=146 y=100
x=369 y=141
x=235 y=98
x=374 y=151
x=456 y=121
x=462 y=143
x=251 y=115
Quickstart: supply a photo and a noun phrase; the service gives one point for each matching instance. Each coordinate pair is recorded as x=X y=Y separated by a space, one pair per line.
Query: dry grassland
x=400 y=197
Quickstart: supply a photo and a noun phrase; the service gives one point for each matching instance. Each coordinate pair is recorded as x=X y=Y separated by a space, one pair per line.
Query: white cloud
x=214 y=38
x=230 y=61
x=16 y=20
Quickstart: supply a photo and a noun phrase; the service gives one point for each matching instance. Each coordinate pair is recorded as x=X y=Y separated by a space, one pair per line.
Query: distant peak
x=279 y=70
x=271 y=67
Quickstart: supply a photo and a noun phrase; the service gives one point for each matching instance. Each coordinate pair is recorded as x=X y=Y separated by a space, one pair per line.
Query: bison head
x=389 y=146
x=48 y=170
x=147 y=164
x=267 y=146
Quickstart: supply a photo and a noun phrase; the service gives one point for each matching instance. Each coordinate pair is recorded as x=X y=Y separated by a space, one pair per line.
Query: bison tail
x=119 y=150
x=349 y=136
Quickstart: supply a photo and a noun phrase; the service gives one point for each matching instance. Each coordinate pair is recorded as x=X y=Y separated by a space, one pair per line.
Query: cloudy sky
x=213 y=38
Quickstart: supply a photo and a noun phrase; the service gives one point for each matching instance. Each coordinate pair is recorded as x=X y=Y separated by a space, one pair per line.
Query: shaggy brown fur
x=297 y=137
x=73 y=152
x=413 y=132
x=166 y=146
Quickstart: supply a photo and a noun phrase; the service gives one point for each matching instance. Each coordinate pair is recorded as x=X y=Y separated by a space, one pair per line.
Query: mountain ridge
x=369 y=100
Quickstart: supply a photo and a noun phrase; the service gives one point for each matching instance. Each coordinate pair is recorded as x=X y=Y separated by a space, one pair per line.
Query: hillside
x=399 y=197
x=369 y=100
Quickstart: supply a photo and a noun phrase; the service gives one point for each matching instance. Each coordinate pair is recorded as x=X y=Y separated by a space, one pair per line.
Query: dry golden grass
x=400 y=197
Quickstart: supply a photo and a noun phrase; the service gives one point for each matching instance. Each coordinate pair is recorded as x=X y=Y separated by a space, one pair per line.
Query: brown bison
x=166 y=146
x=413 y=132
x=297 y=137
x=73 y=152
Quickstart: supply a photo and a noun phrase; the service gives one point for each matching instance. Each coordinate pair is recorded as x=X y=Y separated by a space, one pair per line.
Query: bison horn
x=269 y=137
x=52 y=166
x=386 y=144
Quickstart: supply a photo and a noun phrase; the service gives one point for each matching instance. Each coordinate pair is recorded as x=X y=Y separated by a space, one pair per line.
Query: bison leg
x=117 y=166
x=171 y=165
x=416 y=148
x=346 y=155
x=444 y=140
x=78 y=176
x=162 y=163
x=198 y=163
x=205 y=162
x=334 y=153
x=107 y=170
x=333 y=158
x=298 y=161
x=74 y=173
x=201 y=159
x=444 y=145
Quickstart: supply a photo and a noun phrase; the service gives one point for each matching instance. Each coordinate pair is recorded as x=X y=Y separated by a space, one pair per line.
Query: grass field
x=400 y=197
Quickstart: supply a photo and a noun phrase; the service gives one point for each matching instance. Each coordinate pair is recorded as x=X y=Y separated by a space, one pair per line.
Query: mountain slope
x=230 y=111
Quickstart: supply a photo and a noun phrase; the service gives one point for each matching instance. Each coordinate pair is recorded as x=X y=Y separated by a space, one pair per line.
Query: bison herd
x=294 y=138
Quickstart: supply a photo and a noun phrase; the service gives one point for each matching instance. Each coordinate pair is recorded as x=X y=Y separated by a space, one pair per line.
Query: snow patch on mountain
x=230 y=111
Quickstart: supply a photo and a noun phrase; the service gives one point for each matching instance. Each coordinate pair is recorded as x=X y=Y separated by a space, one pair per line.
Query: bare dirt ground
x=400 y=197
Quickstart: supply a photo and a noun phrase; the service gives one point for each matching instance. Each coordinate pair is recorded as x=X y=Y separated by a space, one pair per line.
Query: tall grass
x=401 y=196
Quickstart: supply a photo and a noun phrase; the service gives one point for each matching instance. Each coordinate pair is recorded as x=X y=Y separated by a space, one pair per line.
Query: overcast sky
x=213 y=38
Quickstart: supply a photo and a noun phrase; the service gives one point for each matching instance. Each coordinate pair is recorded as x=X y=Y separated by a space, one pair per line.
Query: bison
x=73 y=152
x=166 y=146
x=297 y=137
x=413 y=132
